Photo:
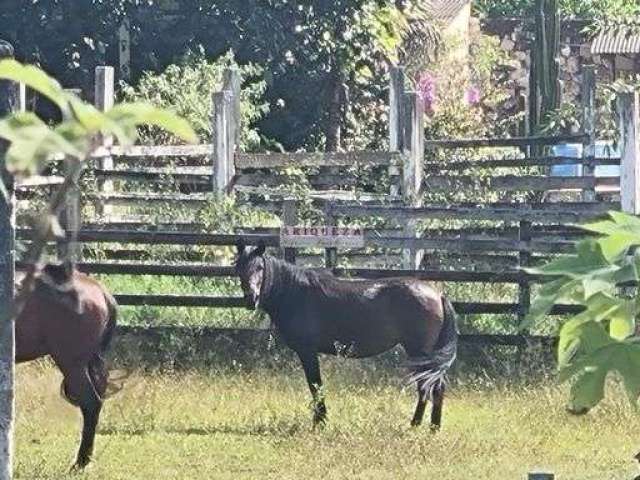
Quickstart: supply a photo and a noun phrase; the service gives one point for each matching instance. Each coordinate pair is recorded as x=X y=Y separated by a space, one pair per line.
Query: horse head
x=250 y=267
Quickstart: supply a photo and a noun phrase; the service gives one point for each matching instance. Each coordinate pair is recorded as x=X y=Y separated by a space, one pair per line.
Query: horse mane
x=281 y=277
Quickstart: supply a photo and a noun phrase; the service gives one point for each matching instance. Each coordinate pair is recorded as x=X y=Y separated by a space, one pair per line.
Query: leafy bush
x=576 y=8
x=603 y=337
x=187 y=87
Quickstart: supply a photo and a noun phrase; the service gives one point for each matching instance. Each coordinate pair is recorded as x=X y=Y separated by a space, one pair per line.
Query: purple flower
x=472 y=95
x=426 y=90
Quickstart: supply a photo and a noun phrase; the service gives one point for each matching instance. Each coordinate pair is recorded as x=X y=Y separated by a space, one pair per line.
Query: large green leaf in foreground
x=602 y=338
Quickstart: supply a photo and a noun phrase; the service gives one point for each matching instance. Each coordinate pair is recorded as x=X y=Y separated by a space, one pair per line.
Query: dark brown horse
x=316 y=312
x=72 y=318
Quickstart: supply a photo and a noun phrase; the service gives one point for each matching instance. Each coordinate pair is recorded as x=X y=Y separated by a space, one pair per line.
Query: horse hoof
x=80 y=465
x=434 y=428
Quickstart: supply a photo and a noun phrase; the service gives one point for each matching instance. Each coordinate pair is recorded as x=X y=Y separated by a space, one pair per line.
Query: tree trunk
x=333 y=128
x=8 y=99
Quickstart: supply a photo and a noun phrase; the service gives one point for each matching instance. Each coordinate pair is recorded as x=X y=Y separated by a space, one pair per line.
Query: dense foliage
x=187 y=87
x=575 y=8
x=315 y=53
x=602 y=338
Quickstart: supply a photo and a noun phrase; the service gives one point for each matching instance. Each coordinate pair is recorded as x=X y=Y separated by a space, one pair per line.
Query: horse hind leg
x=79 y=387
x=421 y=405
x=436 y=409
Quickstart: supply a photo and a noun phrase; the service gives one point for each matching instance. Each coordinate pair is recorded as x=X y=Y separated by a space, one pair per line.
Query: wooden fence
x=500 y=238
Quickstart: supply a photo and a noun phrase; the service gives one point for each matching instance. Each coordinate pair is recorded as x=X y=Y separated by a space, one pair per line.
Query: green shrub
x=187 y=87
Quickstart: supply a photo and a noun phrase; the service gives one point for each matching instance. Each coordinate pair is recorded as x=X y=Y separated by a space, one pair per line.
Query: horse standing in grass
x=72 y=318
x=316 y=312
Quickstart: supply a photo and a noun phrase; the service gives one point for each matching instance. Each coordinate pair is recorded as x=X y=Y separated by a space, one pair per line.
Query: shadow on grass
x=277 y=429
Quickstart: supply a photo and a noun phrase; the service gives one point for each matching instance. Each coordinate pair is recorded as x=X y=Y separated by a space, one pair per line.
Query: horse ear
x=259 y=251
x=240 y=245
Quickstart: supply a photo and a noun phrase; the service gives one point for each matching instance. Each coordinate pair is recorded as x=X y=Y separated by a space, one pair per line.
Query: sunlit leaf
x=35 y=79
x=136 y=114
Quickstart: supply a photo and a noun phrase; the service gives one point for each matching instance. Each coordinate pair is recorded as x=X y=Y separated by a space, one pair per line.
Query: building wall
x=575 y=51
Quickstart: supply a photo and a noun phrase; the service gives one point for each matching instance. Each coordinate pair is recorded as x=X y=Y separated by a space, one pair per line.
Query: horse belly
x=360 y=332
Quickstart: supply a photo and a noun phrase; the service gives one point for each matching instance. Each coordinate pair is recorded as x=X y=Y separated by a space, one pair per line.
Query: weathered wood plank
x=165 y=238
x=504 y=142
x=517 y=183
x=323 y=180
x=629 y=108
x=185 y=174
x=457 y=165
x=314 y=159
x=128 y=198
x=465 y=245
x=568 y=212
x=464 y=308
x=39 y=181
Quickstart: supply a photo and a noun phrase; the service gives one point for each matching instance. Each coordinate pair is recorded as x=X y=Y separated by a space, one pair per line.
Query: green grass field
x=255 y=424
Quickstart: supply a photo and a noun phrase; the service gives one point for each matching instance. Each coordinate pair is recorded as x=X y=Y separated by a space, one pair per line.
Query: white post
x=396 y=122
x=22 y=97
x=629 y=109
x=221 y=137
x=124 y=50
x=104 y=98
x=589 y=127
x=7 y=278
x=413 y=167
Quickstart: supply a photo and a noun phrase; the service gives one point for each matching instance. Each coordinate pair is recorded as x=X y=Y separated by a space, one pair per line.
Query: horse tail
x=430 y=370
x=112 y=321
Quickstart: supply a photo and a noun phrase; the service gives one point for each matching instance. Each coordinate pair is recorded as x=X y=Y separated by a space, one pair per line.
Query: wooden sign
x=321 y=237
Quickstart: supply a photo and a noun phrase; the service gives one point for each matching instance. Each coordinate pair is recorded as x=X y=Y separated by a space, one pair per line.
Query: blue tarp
x=603 y=150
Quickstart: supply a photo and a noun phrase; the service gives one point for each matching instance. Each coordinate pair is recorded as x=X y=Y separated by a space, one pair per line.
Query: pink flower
x=472 y=95
x=426 y=90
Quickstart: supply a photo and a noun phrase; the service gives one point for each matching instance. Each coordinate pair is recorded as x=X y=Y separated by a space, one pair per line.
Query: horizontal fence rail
x=318 y=159
x=566 y=212
x=460 y=165
x=520 y=183
x=506 y=142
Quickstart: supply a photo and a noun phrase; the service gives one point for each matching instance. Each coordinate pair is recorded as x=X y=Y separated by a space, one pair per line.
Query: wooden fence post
x=396 y=122
x=629 y=109
x=232 y=82
x=104 y=97
x=124 y=50
x=226 y=131
x=412 y=169
x=222 y=164
x=589 y=127
x=8 y=102
x=330 y=254
x=22 y=97
x=289 y=219
x=524 y=258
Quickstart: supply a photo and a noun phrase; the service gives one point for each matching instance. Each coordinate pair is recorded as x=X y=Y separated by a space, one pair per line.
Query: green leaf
x=588 y=389
x=550 y=293
x=135 y=114
x=32 y=142
x=35 y=79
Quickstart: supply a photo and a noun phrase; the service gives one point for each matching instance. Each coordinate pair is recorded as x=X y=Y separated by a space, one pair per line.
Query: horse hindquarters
x=430 y=368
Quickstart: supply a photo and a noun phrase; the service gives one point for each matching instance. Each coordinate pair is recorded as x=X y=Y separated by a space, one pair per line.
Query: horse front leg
x=311 y=366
